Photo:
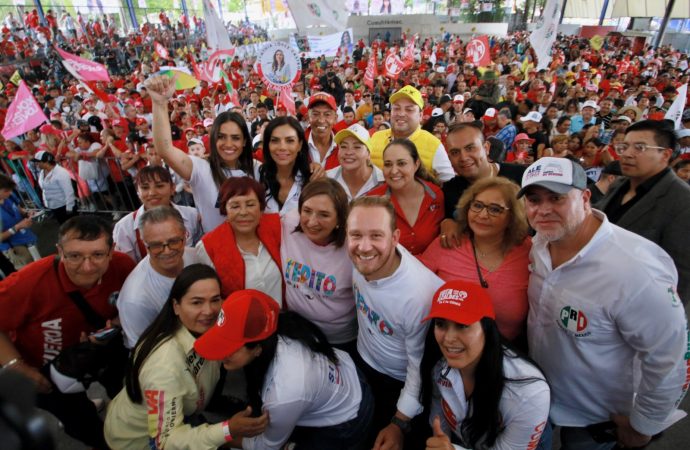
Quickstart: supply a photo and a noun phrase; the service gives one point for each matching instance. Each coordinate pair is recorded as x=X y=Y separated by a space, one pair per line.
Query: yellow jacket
x=175 y=382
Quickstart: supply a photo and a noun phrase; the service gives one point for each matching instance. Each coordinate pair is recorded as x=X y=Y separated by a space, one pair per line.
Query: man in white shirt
x=56 y=184
x=393 y=293
x=147 y=288
x=155 y=187
x=601 y=299
x=323 y=114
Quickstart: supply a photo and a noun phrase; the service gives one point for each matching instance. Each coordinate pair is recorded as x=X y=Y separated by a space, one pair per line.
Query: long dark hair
x=269 y=170
x=290 y=325
x=246 y=160
x=163 y=327
x=486 y=422
x=411 y=149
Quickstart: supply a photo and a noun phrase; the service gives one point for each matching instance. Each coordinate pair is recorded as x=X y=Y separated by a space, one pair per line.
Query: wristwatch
x=404 y=425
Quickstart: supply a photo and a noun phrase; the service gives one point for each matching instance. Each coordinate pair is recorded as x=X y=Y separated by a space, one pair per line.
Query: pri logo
x=573 y=320
x=476 y=51
x=221 y=318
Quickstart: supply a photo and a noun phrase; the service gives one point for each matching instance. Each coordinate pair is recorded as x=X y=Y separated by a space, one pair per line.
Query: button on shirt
x=262 y=273
x=594 y=315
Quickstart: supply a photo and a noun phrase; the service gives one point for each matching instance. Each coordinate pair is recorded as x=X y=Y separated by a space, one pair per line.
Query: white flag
x=318 y=12
x=675 y=112
x=217 y=36
x=544 y=34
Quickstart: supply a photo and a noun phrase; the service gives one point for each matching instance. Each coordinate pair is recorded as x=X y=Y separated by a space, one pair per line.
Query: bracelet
x=12 y=362
x=226 y=431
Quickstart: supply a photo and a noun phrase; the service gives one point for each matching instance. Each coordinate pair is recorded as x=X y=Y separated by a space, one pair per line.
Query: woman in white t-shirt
x=231 y=152
x=314 y=395
x=356 y=174
x=481 y=394
x=316 y=267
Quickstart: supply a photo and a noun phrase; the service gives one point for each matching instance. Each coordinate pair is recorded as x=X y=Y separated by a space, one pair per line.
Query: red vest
x=221 y=247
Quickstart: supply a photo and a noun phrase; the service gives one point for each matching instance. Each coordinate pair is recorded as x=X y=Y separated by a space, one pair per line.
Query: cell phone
x=603 y=432
x=104 y=334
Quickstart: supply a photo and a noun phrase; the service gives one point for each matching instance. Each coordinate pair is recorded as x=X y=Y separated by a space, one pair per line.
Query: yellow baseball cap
x=408 y=92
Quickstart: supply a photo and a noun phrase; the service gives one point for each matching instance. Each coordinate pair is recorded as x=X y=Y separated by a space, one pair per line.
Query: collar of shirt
x=647 y=185
x=314 y=151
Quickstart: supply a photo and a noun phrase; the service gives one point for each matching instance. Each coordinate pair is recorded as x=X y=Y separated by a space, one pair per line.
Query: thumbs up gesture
x=439 y=441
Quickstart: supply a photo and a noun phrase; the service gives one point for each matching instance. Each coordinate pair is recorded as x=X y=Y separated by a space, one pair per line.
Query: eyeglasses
x=77 y=259
x=173 y=244
x=639 y=147
x=493 y=209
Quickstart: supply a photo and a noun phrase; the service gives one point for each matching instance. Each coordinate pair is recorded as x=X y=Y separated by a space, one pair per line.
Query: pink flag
x=161 y=51
x=24 y=113
x=83 y=69
x=286 y=100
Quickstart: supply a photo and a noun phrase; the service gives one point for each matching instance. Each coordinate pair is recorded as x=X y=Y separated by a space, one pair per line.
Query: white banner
x=675 y=112
x=328 y=45
x=544 y=34
x=217 y=36
x=317 y=13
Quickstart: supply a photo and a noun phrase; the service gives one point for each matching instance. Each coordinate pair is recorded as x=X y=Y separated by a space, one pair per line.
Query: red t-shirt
x=41 y=318
x=416 y=238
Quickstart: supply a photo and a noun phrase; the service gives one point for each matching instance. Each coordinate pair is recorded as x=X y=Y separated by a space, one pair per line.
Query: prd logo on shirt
x=573 y=320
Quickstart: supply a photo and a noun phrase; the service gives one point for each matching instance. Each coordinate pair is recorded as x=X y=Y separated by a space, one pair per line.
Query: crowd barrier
x=100 y=185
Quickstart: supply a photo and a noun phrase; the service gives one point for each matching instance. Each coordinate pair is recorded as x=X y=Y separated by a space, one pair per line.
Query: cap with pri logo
x=246 y=316
x=44 y=156
x=208 y=122
x=409 y=93
x=490 y=113
x=558 y=175
x=357 y=131
x=461 y=302
x=323 y=97
x=459 y=98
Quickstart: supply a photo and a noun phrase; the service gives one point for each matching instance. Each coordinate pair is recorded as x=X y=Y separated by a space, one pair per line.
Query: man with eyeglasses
x=146 y=289
x=605 y=323
x=39 y=316
x=406 y=116
x=653 y=202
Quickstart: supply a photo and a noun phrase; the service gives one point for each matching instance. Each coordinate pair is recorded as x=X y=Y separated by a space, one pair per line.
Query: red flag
x=160 y=50
x=392 y=66
x=102 y=95
x=371 y=72
x=477 y=51
x=286 y=100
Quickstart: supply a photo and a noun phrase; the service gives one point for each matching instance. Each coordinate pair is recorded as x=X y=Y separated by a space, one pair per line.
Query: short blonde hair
x=517 y=228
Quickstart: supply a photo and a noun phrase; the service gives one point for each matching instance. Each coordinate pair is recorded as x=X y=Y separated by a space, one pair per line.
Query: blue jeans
x=349 y=435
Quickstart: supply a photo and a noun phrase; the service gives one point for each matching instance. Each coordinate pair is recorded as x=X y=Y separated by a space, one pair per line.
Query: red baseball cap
x=323 y=97
x=121 y=122
x=246 y=316
x=462 y=302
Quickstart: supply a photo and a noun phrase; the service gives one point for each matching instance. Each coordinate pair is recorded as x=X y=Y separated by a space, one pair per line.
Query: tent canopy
x=591 y=9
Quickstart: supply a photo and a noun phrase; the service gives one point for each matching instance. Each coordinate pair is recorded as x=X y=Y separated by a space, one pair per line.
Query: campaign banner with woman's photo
x=279 y=65
x=340 y=43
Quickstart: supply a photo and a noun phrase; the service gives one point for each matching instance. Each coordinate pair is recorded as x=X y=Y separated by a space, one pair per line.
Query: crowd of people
x=462 y=257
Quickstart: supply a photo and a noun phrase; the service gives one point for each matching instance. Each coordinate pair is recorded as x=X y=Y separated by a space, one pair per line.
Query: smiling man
x=323 y=114
x=406 y=116
x=155 y=188
x=38 y=308
x=653 y=202
x=601 y=298
x=393 y=293
x=146 y=289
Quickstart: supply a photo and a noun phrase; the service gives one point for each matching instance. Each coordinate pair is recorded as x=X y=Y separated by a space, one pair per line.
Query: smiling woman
x=230 y=152
x=316 y=268
x=245 y=250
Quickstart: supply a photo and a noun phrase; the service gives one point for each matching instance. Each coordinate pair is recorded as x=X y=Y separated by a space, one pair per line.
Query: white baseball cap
x=532 y=116
x=357 y=131
x=590 y=104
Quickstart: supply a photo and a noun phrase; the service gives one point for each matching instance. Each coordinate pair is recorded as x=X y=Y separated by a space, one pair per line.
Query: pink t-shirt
x=507 y=284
